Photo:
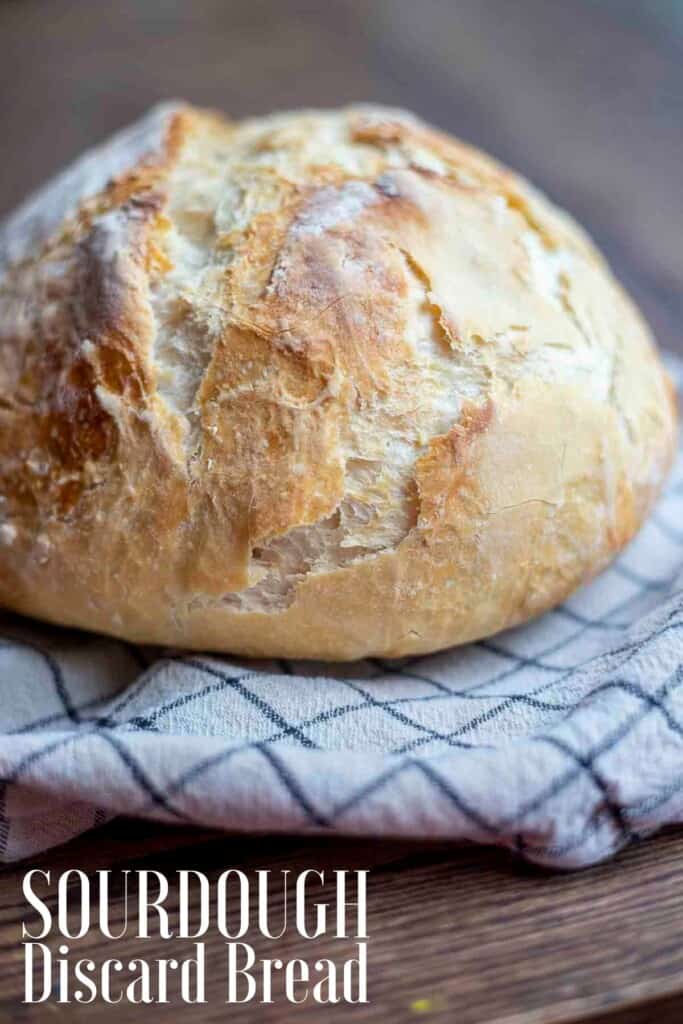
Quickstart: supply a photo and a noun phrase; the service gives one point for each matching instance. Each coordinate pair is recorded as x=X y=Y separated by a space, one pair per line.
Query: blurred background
x=583 y=96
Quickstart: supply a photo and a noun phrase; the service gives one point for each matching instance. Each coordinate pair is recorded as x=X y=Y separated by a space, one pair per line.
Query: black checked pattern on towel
x=534 y=739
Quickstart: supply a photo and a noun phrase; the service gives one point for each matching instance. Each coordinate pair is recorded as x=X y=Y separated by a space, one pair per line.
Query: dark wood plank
x=460 y=934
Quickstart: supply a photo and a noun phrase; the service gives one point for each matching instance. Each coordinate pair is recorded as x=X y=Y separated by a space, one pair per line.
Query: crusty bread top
x=265 y=349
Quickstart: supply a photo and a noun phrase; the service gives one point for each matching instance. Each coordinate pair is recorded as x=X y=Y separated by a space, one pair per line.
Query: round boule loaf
x=320 y=384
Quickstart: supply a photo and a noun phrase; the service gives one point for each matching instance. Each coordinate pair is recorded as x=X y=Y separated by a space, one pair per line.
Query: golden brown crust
x=319 y=385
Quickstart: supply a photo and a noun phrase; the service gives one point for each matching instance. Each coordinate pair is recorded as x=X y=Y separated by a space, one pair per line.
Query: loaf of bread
x=320 y=384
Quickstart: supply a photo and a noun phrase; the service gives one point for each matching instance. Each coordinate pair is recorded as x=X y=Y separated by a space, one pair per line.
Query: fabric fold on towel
x=562 y=739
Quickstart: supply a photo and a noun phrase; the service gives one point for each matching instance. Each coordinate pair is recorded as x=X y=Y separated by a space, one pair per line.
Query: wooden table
x=461 y=935
x=583 y=96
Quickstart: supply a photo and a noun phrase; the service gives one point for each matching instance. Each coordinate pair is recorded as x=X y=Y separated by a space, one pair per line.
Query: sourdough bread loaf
x=320 y=384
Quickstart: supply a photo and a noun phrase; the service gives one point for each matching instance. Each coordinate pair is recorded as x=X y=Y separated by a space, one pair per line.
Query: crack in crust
x=389 y=434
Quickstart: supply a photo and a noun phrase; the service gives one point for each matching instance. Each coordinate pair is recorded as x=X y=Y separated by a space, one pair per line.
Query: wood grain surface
x=462 y=935
x=583 y=96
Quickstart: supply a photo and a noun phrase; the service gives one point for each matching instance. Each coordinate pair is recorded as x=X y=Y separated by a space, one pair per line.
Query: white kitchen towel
x=562 y=739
